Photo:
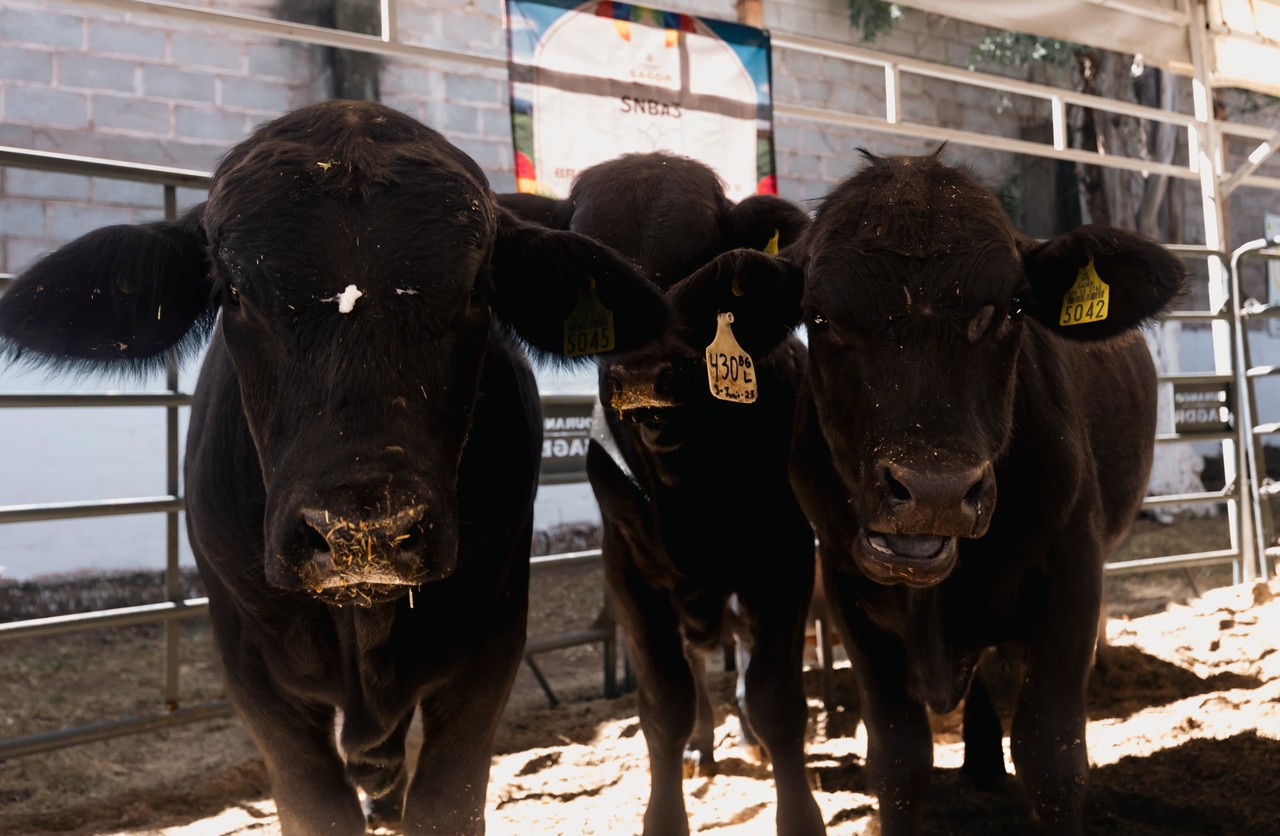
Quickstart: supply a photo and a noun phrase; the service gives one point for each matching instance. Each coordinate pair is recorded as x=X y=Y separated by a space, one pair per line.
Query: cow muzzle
x=366 y=559
x=923 y=511
x=917 y=560
x=642 y=394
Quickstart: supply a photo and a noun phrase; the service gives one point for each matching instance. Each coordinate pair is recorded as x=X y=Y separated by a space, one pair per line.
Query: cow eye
x=817 y=321
x=1015 y=309
x=233 y=296
x=981 y=322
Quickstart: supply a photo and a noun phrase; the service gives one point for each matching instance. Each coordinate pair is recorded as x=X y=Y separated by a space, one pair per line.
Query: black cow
x=949 y=355
x=701 y=528
x=364 y=441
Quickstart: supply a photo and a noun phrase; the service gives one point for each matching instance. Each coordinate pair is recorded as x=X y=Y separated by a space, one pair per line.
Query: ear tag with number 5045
x=589 y=327
x=1088 y=300
x=731 y=374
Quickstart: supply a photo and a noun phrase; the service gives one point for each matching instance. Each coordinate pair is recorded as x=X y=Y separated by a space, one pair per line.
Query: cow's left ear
x=1096 y=282
x=762 y=292
x=567 y=295
x=755 y=222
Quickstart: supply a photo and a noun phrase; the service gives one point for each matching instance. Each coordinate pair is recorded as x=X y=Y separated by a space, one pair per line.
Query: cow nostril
x=314 y=539
x=974 y=496
x=665 y=377
x=897 y=490
x=412 y=539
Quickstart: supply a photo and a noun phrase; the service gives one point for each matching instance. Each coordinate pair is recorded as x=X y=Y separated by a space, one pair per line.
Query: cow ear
x=537 y=209
x=1097 y=282
x=756 y=221
x=568 y=296
x=122 y=297
x=763 y=293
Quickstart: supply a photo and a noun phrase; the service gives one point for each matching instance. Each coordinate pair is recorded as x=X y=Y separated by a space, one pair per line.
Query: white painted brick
x=93 y=72
x=24 y=182
x=254 y=94
x=43 y=107
x=17 y=64
x=198 y=50
x=21 y=253
x=165 y=82
x=71 y=220
x=126 y=113
x=39 y=26
x=211 y=123
x=128 y=193
x=115 y=38
x=25 y=218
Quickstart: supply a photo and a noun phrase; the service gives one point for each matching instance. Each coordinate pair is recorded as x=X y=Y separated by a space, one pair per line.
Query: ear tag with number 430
x=589 y=328
x=731 y=373
x=1088 y=300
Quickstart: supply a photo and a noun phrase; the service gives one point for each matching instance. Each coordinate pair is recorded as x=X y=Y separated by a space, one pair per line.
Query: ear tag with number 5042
x=1088 y=300
x=589 y=327
x=731 y=373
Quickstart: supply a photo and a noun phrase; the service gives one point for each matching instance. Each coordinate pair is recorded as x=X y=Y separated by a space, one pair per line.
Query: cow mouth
x=362 y=583
x=916 y=560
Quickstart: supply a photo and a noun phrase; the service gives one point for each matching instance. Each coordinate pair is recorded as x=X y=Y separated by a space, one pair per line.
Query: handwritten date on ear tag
x=731 y=373
x=589 y=328
x=1088 y=300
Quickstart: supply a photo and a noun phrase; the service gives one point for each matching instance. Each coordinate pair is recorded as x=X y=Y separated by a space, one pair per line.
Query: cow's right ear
x=567 y=295
x=763 y=219
x=122 y=297
x=763 y=293
x=537 y=209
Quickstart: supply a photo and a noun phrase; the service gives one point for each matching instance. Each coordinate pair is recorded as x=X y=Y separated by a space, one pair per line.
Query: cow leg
x=459 y=719
x=1048 y=734
x=899 y=740
x=776 y=709
x=379 y=771
x=742 y=660
x=666 y=691
x=297 y=743
x=699 y=752
x=983 y=737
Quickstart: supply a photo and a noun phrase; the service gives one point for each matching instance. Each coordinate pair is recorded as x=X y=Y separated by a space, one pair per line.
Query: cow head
x=362 y=270
x=918 y=296
x=669 y=215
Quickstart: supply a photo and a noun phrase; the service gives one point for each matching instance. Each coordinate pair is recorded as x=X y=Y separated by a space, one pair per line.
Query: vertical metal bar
x=1208 y=164
x=892 y=94
x=390 y=26
x=1059 y=113
x=1246 y=493
x=172 y=576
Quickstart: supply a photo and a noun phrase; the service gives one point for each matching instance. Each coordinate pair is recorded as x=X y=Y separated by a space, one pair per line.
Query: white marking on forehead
x=346 y=299
x=406 y=291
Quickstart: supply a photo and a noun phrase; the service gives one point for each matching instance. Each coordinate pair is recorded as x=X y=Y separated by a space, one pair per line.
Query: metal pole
x=172 y=574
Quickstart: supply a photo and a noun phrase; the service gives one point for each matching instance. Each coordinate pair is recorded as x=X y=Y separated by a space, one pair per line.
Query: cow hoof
x=383 y=815
x=699 y=764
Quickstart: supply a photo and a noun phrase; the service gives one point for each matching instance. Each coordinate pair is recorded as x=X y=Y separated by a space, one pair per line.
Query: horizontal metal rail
x=1175 y=561
x=56 y=625
x=34 y=400
x=41 y=512
x=1205 y=498
x=97 y=167
x=94 y=732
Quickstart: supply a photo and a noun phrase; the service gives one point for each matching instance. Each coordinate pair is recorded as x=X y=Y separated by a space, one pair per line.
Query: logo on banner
x=591 y=81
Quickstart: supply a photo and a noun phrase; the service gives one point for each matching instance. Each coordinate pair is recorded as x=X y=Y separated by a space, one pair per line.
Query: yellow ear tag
x=1088 y=300
x=730 y=372
x=589 y=328
x=771 y=248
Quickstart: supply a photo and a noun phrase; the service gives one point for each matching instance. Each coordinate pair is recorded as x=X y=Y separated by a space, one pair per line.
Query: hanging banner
x=591 y=81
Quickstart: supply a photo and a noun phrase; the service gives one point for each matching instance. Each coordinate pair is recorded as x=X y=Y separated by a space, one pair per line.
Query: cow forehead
x=349 y=158
x=911 y=234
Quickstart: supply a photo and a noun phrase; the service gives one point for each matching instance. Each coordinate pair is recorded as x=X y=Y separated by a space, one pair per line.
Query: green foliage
x=1012 y=49
x=873 y=17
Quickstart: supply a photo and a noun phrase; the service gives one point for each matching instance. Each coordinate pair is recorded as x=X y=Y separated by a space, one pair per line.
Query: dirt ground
x=1184 y=732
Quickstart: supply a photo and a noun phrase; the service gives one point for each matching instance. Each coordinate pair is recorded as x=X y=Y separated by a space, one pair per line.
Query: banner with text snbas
x=591 y=81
